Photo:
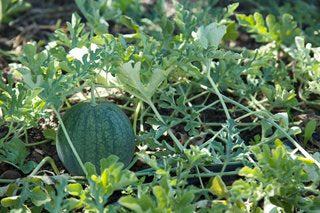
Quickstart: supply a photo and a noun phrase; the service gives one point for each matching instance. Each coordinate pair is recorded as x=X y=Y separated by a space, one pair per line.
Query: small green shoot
x=309 y=130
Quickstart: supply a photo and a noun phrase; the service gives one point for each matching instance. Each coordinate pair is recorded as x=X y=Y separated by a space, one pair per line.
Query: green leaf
x=10 y=201
x=229 y=11
x=22 y=209
x=210 y=35
x=58 y=194
x=249 y=172
x=105 y=178
x=161 y=196
x=73 y=203
x=309 y=130
x=11 y=8
x=285 y=204
x=74 y=189
x=151 y=161
x=128 y=22
x=146 y=202
x=219 y=188
x=39 y=196
x=90 y=168
x=282 y=31
x=268 y=91
x=278 y=143
x=3 y=190
x=129 y=76
x=131 y=203
x=50 y=134
x=28 y=167
x=186 y=198
x=94 y=13
x=15 y=152
x=231 y=32
x=107 y=162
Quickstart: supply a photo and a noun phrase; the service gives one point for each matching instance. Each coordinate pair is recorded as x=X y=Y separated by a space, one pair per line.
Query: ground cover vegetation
x=223 y=98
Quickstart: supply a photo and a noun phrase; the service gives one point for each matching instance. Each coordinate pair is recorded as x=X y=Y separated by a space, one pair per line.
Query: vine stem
x=210 y=140
x=217 y=92
x=174 y=138
x=208 y=106
x=93 y=97
x=197 y=96
x=269 y=120
x=201 y=183
x=69 y=140
x=212 y=174
x=26 y=135
x=224 y=106
x=15 y=130
x=42 y=162
x=134 y=160
x=6 y=181
x=256 y=102
x=135 y=116
x=206 y=174
x=38 y=167
x=37 y=143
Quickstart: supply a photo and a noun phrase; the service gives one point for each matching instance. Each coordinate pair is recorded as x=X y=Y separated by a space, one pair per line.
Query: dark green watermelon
x=96 y=132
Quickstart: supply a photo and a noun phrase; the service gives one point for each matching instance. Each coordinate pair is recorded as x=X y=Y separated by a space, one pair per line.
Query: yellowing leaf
x=278 y=143
x=104 y=178
x=249 y=172
x=219 y=188
x=74 y=189
x=305 y=160
x=161 y=196
x=10 y=201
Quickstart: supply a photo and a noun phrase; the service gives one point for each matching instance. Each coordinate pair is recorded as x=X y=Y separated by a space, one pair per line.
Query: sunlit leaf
x=219 y=188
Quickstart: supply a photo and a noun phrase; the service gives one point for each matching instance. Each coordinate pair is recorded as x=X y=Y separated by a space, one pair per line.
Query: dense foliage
x=215 y=93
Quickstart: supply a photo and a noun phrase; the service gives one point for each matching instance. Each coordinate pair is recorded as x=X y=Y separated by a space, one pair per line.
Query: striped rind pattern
x=96 y=132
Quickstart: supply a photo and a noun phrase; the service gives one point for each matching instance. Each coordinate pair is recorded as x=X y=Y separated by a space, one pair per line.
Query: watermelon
x=96 y=132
